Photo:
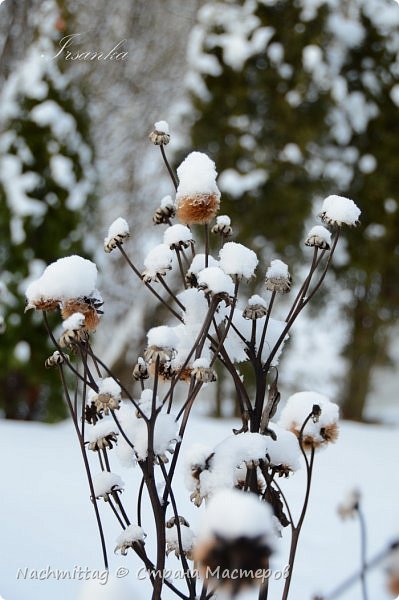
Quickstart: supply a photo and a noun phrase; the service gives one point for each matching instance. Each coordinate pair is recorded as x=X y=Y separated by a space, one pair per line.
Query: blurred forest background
x=294 y=100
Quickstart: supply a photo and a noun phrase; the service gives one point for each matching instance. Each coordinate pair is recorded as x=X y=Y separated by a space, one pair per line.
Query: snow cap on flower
x=238 y=260
x=68 y=278
x=338 y=210
x=256 y=308
x=278 y=278
x=140 y=370
x=319 y=237
x=197 y=196
x=160 y=135
x=172 y=538
x=161 y=342
x=105 y=483
x=321 y=429
x=118 y=232
x=54 y=360
x=157 y=262
x=236 y=533
x=223 y=226
x=214 y=281
x=197 y=264
x=165 y=211
x=108 y=396
x=133 y=534
x=178 y=237
x=101 y=435
x=202 y=371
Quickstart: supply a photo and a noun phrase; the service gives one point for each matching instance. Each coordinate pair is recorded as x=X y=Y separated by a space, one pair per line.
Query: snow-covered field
x=48 y=523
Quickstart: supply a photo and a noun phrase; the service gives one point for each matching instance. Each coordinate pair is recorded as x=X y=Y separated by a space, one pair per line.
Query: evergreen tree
x=46 y=185
x=294 y=100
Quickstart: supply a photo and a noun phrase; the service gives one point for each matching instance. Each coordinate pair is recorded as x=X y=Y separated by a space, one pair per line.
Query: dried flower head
x=160 y=135
x=140 y=370
x=108 y=396
x=202 y=371
x=172 y=538
x=338 y=210
x=161 y=343
x=278 y=278
x=130 y=537
x=91 y=414
x=223 y=227
x=255 y=309
x=54 y=360
x=157 y=262
x=350 y=505
x=319 y=237
x=178 y=237
x=43 y=303
x=165 y=212
x=236 y=537
x=90 y=307
x=197 y=196
x=107 y=483
x=103 y=435
x=117 y=234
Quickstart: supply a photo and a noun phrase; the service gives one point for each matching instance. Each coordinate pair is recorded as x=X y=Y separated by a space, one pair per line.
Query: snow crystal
x=70 y=277
x=158 y=260
x=162 y=337
x=238 y=260
x=255 y=299
x=198 y=263
x=277 y=270
x=236 y=184
x=104 y=483
x=74 y=322
x=197 y=175
x=216 y=280
x=162 y=127
x=298 y=408
x=93 y=433
x=119 y=227
x=339 y=209
x=233 y=514
x=132 y=533
x=177 y=234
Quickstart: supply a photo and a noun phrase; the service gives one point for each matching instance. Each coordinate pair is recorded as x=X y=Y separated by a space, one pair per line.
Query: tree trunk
x=363 y=353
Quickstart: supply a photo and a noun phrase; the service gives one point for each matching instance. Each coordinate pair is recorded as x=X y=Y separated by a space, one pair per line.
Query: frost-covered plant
x=210 y=320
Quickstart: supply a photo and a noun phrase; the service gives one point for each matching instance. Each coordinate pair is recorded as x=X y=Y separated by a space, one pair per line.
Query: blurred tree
x=294 y=99
x=46 y=185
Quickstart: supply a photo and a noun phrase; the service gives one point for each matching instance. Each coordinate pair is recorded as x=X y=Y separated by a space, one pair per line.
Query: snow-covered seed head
x=255 y=309
x=161 y=343
x=117 y=234
x=223 y=227
x=106 y=483
x=350 y=505
x=54 y=360
x=338 y=210
x=131 y=537
x=197 y=196
x=178 y=237
x=172 y=538
x=160 y=135
x=140 y=370
x=90 y=307
x=278 y=278
x=165 y=212
x=154 y=353
x=204 y=374
x=106 y=402
x=45 y=304
x=237 y=534
x=73 y=336
x=92 y=416
x=106 y=441
x=319 y=237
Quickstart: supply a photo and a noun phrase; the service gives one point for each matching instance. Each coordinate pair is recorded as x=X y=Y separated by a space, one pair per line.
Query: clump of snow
x=201 y=363
x=198 y=263
x=74 y=322
x=238 y=260
x=105 y=482
x=70 y=277
x=172 y=539
x=165 y=434
x=166 y=202
x=216 y=281
x=108 y=386
x=176 y=235
x=100 y=430
x=298 y=408
x=162 y=127
x=223 y=220
x=340 y=210
x=320 y=232
x=158 y=260
x=197 y=175
x=132 y=533
x=162 y=337
x=277 y=270
x=145 y=402
x=231 y=514
x=119 y=227
x=256 y=300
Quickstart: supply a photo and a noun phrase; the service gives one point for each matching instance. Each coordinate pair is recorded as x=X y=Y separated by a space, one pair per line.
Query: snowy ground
x=47 y=519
